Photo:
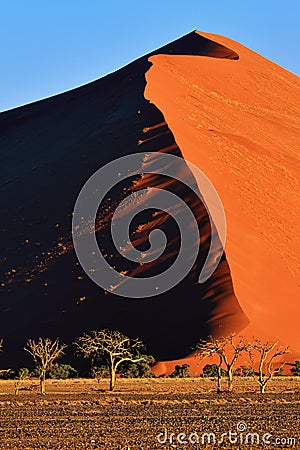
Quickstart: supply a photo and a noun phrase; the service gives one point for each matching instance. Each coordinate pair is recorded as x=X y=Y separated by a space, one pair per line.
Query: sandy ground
x=83 y=414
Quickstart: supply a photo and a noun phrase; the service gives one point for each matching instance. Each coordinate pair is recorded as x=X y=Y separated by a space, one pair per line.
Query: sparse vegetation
x=112 y=346
x=244 y=371
x=180 y=371
x=267 y=353
x=99 y=372
x=44 y=352
x=62 y=371
x=211 y=370
x=228 y=350
x=116 y=353
x=296 y=369
x=22 y=375
x=138 y=369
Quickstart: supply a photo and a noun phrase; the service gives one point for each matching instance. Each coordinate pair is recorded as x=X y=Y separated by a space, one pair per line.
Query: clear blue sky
x=50 y=46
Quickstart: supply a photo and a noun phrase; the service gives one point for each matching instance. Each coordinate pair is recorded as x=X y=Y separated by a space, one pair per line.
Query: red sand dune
x=219 y=105
x=238 y=120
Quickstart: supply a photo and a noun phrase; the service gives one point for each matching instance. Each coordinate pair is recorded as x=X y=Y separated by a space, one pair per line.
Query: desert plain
x=142 y=414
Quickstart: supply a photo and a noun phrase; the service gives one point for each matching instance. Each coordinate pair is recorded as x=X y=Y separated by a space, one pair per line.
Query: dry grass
x=81 y=413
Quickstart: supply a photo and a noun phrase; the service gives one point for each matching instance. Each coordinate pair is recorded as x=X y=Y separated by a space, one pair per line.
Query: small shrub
x=296 y=370
x=99 y=372
x=244 y=371
x=180 y=371
x=140 y=369
x=62 y=371
x=211 y=370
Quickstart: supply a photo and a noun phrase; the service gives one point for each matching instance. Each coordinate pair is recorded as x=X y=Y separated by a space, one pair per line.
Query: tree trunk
x=230 y=380
x=43 y=383
x=263 y=388
x=112 y=379
x=219 y=379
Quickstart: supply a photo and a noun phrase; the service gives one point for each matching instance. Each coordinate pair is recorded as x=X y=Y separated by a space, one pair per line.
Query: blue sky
x=50 y=46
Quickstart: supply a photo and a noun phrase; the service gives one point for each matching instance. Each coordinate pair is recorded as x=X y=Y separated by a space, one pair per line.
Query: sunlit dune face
x=238 y=120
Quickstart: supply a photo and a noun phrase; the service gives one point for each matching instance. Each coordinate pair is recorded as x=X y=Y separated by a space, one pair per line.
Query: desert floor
x=83 y=414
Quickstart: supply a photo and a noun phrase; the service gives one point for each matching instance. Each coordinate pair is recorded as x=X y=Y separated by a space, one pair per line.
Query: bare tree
x=210 y=348
x=44 y=352
x=267 y=353
x=113 y=346
x=236 y=345
x=99 y=372
x=23 y=374
x=228 y=350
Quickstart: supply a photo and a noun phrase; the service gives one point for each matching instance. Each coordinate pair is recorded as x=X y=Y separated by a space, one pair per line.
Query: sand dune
x=239 y=121
x=204 y=98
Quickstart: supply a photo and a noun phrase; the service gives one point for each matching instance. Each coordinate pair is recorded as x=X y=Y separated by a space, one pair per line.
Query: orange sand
x=238 y=121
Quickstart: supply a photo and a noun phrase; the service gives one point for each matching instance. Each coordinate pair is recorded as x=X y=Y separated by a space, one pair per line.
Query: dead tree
x=44 y=352
x=267 y=353
x=235 y=346
x=113 y=346
x=210 y=348
x=228 y=350
x=23 y=374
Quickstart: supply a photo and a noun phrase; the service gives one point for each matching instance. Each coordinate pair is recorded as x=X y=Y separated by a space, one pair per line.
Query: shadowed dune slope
x=207 y=99
x=48 y=150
